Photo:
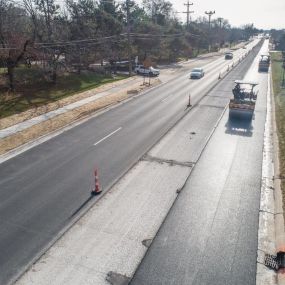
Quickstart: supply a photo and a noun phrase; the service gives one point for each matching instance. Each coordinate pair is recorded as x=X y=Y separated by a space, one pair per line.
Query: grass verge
x=33 y=90
x=279 y=95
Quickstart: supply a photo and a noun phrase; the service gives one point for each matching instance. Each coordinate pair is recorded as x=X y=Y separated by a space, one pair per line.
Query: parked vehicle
x=122 y=65
x=229 y=55
x=243 y=104
x=140 y=69
x=197 y=73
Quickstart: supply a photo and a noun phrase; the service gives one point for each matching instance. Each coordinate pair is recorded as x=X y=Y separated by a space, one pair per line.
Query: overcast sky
x=264 y=14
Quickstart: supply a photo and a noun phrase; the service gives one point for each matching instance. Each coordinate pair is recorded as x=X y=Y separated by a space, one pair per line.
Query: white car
x=140 y=69
x=197 y=73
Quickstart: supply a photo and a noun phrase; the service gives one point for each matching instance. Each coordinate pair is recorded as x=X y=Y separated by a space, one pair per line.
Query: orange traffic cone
x=96 y=190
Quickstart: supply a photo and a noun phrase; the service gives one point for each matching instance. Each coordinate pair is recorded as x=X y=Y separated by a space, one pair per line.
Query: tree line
x=72 y=34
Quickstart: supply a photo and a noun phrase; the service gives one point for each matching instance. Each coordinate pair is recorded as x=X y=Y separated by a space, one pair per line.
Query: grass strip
x=32 y=90
x=279 y=95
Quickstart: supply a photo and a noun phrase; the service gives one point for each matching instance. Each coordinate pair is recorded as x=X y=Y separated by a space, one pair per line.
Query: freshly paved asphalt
x=43 y=188
x=210 y=234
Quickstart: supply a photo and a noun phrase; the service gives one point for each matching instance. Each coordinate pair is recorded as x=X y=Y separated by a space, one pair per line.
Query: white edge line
x=107 y=136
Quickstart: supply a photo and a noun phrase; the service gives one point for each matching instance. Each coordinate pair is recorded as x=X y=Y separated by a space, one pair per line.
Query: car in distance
x=197 y=73
x=150 y=71
x=229 y=55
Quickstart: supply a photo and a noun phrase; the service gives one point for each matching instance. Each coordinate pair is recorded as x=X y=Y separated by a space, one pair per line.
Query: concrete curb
x=279 y=213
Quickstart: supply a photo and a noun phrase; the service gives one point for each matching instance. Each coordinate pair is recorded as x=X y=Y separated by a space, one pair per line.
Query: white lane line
x=166 y=98
x=107 y=136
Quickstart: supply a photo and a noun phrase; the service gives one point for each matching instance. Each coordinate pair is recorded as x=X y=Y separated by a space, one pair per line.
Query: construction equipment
x=264 y=63
x=243 y=104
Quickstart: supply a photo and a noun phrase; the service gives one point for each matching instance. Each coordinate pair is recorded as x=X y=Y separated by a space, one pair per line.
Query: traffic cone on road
x=96 y=190
x=189 y=101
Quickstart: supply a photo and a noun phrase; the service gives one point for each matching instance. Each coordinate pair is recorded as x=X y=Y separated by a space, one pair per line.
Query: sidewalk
x=49 y=115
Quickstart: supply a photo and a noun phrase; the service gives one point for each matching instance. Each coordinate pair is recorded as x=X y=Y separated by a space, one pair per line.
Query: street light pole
x=210 y=13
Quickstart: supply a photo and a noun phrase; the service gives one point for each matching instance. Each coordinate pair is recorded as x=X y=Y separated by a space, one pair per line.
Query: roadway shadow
x=239 y=127
x=82 y=206
x=262 y=71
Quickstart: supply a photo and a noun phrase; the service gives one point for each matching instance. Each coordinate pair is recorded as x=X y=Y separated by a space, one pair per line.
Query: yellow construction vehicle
x=243 y=104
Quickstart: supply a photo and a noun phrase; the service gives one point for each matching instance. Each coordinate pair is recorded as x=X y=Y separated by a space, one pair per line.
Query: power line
x=107 y=39
x=79 y=41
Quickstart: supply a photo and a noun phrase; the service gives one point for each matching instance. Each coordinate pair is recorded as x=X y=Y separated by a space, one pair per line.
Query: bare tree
x=14 y=36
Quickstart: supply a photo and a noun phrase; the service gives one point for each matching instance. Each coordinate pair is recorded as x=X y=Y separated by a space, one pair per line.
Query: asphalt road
x=43 y=188
x=210 y=234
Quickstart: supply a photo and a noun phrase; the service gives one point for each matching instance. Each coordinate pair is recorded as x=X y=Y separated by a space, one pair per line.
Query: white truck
x=150 y=71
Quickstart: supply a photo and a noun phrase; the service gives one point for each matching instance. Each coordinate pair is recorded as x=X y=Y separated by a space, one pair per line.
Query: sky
x=264 y=14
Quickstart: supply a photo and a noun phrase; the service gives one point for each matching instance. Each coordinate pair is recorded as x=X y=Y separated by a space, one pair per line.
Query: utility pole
x=220 y=31
x=220 y=22
x=153 y=13
x=129 y=37
x=283 y=65
x=210 y=13
x=188 y=12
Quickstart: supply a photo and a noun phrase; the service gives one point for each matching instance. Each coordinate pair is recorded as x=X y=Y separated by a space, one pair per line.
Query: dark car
x=229 y=55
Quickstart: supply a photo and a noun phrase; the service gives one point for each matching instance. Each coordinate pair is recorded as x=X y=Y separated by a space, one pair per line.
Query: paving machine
x=264 y=63
x=243 y=104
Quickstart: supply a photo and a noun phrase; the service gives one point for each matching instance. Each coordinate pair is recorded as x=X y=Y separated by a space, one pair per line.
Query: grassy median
x=279 y=94
x=33 y=90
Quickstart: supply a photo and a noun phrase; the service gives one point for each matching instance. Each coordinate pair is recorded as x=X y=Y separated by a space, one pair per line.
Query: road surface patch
x=130 y=212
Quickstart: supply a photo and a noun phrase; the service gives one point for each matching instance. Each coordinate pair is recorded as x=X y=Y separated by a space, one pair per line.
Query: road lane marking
x=107 y=136
x=166 y=98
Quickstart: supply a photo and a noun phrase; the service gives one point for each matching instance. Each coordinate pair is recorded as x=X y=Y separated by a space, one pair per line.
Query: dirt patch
x=60 y=121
